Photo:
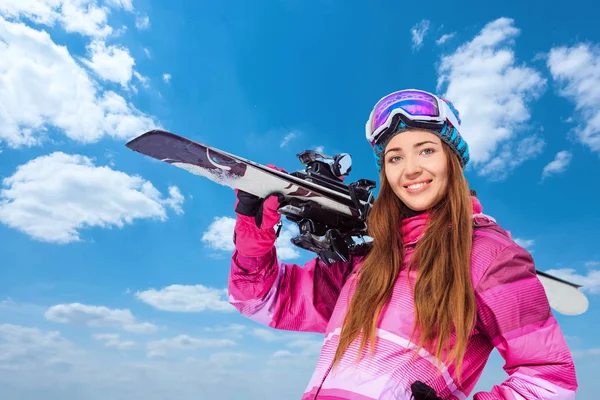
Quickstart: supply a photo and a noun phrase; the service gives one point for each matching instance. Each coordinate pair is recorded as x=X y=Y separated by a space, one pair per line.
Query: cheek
x=392 y=176
x=442 y=175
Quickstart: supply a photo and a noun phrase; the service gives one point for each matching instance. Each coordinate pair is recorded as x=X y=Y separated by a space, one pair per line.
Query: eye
x=394 y=159
x=428 y=151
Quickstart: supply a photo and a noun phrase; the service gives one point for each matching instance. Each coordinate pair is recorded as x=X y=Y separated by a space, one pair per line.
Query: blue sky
x=114 y=267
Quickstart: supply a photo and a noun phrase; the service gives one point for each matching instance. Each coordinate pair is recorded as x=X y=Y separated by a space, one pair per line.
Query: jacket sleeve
x=281 y=295
x=515 y=314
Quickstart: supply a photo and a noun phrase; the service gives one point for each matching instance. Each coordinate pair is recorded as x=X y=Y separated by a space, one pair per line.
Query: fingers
x=276 y=168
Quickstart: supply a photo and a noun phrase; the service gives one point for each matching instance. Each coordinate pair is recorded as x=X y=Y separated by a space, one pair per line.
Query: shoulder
x=496 y=259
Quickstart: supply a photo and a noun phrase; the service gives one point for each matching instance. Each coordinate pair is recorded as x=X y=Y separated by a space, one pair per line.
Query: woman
x=441 y=286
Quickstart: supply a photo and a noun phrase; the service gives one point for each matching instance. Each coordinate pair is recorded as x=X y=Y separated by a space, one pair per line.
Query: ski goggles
x=417 y=108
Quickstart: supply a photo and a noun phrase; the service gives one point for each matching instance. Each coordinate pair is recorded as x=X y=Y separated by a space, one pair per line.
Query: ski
x=329 y=213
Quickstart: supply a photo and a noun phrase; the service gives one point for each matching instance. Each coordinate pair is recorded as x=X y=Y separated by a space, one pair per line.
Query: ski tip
x=134 y=143
x=564 y=297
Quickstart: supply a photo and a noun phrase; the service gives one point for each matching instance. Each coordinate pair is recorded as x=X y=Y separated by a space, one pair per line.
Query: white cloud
x=559 y=164
x=287 y=139
x=7 y=303
x=167 y=78
x=593 y=352
x=589 y=281
x=175 y=200
x=51 y=198
x=307 y=346
x=187 y=298
x=233 y=330
x=444 y=38
x=160 y=348
x=189 y=370
x=285 y=249
x=525 y=243
x=24 y=346
x=142 y=22
x=219 y=236
x=304 y=350
x=85 y=17
x=511 y=156
x=125 y=4
x=43 y=88
x=266 y=335
x=282 y=354
x=112 y=63
x=97 y=316
x=576 y=71
x=229 y=359
x=113 y=340
x=418 y=33
x=492 y=93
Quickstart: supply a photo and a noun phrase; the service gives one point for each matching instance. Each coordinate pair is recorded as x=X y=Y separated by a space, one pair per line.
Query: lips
x=417 y=185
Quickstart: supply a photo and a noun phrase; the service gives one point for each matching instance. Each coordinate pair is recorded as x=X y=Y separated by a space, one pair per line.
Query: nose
x=412 y=166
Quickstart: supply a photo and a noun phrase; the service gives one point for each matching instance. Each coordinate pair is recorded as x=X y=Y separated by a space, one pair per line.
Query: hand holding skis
x=254 y=233
x=264 y=210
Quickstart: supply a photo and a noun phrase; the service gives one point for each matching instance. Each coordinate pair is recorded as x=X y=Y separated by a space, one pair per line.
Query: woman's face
x=416 y=167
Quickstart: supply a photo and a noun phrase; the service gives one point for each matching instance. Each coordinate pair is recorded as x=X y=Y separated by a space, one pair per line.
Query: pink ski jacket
x=513 y=312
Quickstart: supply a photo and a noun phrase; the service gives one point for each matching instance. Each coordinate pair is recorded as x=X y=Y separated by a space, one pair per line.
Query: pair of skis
x=330 y=214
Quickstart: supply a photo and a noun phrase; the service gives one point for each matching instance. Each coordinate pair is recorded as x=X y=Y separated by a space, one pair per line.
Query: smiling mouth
x=416 y=186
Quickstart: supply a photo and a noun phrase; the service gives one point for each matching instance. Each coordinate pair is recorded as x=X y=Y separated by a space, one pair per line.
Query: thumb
x=272 y=202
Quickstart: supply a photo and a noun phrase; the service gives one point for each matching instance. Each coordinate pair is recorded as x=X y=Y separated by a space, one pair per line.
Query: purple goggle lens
x=413 y=102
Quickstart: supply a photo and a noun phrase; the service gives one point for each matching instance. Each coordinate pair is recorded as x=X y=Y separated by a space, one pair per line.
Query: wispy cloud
x=593 y=352
x=22 y=347
x=288 y=138
x=51 y=198
x=167 y=78
x=590 y=281
x=493 y=94
x=113 y=340
x=525 y=243
x=162 y=347
x=591 y=264
x=296 y=351
x=85 y=17
x=142 y=22
x=576 y=71
x=559 y=164
x=444 y=38
x=418 y=33
x=97 y=316
x=511 y=155
x=266 y=335
x=233 y=330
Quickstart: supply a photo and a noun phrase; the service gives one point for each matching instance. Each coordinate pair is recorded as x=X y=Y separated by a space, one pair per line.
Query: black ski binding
x=325 y=232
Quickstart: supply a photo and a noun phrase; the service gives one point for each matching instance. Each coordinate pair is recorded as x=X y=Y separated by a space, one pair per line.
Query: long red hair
x=444 y=297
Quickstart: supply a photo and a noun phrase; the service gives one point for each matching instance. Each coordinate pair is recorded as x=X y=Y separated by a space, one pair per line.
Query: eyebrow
x=414 y=146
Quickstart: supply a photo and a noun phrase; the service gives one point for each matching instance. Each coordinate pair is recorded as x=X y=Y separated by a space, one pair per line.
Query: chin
x=416 y=207
x=418 y=204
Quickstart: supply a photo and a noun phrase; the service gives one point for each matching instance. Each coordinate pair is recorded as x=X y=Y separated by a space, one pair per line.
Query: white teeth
x=417 y=185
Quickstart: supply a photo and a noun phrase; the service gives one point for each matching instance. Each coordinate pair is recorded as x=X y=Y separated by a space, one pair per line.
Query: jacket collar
x=413 y=228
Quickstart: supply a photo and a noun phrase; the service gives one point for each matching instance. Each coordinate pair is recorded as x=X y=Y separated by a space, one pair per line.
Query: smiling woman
x=418 y=175
x=440 y=287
